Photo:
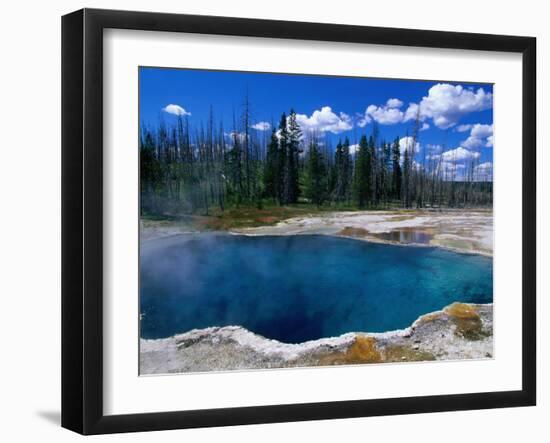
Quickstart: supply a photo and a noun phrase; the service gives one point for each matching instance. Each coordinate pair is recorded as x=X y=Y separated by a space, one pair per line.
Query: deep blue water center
x=298 y=288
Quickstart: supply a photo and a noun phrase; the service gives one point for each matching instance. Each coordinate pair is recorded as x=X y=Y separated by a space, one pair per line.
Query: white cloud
x=481 y=131
x=446 y=104
x=459 y=154
x=480 y=135
x=240 y=136
x=463 y=128
x=175 y=110
x=456 y=169
x=472 y=142
x=384 y=115
x=412 y=112
x=261 y=126
x=388 y=114
x=484 y=171
x=407 y=143
x=434 y=148
x=363 y=120
x=394 y=103
x=484 y=167
x=325 y=120
x=353 y=149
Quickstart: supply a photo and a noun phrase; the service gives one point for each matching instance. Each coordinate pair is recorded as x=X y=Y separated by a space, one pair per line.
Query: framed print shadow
x=268 y=221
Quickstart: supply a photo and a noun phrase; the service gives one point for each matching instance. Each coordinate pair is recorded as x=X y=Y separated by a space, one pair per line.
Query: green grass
x=244 y=216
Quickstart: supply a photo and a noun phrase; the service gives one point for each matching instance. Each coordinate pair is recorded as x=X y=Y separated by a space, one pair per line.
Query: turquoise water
x=297 y=288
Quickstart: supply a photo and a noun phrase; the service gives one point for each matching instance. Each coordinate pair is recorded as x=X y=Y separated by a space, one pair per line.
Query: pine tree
x=187 y=169
x=347 y=170
x=292 y=189
x=245 y=117
x=343 y=171
x=361 y=181
x=372 y=167
x=271 y=171
x=282 y=176
x=407 y=178
x=235 y=164
x=337 y=172
x=396 y=170
x=316 y=177
x=385 y=167
x=150 y=173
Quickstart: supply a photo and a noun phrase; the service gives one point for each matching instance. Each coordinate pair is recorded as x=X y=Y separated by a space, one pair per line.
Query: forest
x=204 y=169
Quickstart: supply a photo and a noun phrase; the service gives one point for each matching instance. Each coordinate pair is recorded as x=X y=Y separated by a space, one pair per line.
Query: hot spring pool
x=298 y=288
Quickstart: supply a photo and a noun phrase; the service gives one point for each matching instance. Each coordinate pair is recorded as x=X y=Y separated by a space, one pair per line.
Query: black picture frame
x=82 y=218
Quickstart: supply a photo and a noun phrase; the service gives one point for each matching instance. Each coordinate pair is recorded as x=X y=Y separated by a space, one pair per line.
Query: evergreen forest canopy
x=201 y=169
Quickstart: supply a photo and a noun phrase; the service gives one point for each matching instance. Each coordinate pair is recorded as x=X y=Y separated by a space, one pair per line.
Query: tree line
x=186 y=170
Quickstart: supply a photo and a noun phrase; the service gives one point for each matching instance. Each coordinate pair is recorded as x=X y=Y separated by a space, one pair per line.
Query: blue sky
x=456 y=118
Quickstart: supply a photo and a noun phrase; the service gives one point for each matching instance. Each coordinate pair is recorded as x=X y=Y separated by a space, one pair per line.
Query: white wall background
x=30 y=218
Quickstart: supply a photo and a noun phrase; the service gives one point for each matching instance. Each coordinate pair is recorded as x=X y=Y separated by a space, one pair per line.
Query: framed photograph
x=269 y=221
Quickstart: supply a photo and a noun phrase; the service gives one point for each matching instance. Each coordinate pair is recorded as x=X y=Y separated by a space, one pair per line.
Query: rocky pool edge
x=459 y=331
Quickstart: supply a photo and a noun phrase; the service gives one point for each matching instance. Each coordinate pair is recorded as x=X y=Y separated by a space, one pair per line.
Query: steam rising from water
x=298 y=288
